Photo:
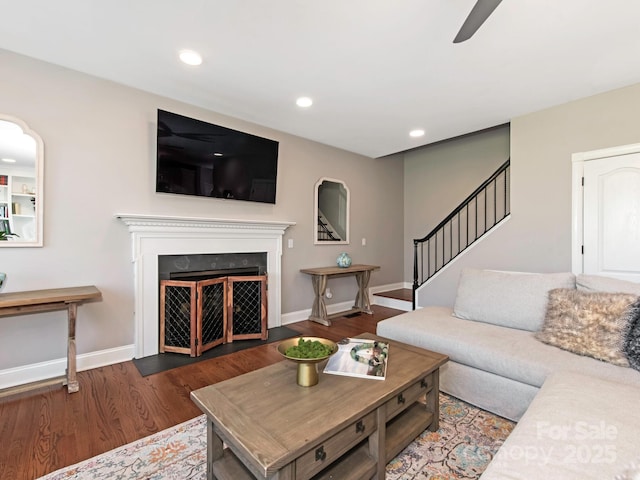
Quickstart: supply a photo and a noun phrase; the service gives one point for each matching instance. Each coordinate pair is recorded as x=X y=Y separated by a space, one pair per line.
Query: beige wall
x=99 y=142
x=537 y=238
x=438 y=177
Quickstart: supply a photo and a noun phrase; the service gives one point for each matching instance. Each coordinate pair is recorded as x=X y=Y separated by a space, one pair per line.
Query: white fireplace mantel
x=154 y=235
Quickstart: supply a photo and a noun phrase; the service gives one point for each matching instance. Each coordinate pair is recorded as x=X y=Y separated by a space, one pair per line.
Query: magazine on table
x=359 y=357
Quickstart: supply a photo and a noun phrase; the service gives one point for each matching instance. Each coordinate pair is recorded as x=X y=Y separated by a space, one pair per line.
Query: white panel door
x=612 y=217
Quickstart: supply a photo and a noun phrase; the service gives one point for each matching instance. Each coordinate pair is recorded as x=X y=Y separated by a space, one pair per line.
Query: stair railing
x=487 y=206
x=324 y=233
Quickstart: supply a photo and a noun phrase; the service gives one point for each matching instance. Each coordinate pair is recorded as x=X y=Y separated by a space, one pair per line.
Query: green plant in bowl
x=309 y=349
x=316 y=350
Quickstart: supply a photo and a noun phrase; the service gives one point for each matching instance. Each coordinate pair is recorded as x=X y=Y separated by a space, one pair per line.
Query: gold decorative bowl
x=307 y=367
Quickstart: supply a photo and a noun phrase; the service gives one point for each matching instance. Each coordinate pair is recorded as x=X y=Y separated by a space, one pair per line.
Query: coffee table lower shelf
x=356 y=464
x=403 y=429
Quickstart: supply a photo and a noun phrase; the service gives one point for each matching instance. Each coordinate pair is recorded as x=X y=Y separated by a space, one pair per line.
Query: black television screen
x=199 y=158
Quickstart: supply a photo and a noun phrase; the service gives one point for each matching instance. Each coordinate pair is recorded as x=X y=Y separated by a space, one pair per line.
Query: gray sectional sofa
x=578 y=427
x=498 y=364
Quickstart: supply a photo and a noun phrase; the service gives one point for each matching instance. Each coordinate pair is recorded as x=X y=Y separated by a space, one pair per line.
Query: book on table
x=359 y=357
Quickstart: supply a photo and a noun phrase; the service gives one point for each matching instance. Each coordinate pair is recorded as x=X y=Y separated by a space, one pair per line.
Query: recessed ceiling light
x=217 y=154
x=304 y=102
x=416 y=133
x=9 y=160
x=190 y=57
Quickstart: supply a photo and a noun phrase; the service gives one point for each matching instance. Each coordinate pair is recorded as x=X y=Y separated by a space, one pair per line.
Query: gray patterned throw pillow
x=594 y=324
x=632 y=340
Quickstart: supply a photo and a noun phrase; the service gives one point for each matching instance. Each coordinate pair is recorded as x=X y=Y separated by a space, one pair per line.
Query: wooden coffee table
x=343 y=428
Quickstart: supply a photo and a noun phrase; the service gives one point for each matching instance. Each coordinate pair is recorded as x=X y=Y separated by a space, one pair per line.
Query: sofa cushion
x=588 y=323
x=597 y=283
x=577 y=428
x=510 y=299
x=508 y=352
x=496 y=394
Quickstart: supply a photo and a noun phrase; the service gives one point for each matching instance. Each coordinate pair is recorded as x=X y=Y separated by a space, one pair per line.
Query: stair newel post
x=415 y=272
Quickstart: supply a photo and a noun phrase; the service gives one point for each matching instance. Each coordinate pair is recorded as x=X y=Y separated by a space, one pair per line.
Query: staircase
x=478 y=214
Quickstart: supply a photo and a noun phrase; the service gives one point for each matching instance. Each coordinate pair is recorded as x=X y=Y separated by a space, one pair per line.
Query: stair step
x=400 y=299
x=400 y=294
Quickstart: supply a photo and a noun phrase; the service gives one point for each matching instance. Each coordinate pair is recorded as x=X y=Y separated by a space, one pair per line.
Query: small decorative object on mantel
x=3 y=277
x=344 y=260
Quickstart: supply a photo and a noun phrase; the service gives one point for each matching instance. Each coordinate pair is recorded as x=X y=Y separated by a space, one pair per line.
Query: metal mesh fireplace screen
x=213 y=312
x=177 y=307
x=248 y=308
x=198 y=315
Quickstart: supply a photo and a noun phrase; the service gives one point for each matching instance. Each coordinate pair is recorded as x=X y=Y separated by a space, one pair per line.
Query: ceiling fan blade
x=479 y=13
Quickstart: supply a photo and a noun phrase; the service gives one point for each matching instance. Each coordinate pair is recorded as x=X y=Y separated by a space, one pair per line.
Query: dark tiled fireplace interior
x=210 y=265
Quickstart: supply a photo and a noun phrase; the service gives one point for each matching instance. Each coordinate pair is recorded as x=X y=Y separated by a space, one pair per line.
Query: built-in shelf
x=17 y=206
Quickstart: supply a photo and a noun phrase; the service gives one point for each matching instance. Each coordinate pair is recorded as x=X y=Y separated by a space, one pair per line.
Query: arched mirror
x=331 y=212
x=21 y=178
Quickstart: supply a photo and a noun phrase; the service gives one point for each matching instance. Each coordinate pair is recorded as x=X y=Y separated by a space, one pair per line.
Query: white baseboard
x=300 y=315
x=390 y=286
x=393 y=303
x=35 y=372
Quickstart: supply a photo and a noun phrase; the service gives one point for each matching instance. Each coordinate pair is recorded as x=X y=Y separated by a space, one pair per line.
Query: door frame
x=577 y=195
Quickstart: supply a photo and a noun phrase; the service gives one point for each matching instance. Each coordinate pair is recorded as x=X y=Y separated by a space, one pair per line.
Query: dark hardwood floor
x=42 y=431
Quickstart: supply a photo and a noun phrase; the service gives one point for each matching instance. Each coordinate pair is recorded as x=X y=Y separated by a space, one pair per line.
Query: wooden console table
x=35 y=301
x=319 y=277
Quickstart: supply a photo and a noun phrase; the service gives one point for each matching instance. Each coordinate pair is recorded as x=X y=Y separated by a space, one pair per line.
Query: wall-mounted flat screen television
x=199 y=158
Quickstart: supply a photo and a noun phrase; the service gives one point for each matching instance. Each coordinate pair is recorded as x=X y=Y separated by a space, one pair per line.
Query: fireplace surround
x=156 y=235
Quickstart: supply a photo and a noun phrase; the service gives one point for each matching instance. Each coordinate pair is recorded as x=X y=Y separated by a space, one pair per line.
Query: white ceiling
x=375 y=68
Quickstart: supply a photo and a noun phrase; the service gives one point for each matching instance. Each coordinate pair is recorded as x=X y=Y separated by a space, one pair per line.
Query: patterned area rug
x=461 y=449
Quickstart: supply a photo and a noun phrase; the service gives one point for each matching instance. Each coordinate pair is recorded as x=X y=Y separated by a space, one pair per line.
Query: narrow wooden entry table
x=35 y=301
x=319 y=278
